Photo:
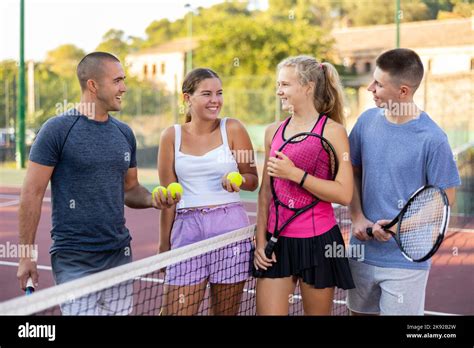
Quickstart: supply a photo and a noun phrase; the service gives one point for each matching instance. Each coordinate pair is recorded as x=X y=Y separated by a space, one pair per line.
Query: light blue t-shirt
x=90 y=161
x=396 y=160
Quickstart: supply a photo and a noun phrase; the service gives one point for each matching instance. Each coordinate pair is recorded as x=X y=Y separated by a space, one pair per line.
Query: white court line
x=253 y=214
x=249 y=201
x=9 y=196
x=441 y=313
x=462 y=230
x=45 y=199
x=7 y=204
x=15 y=264
x=48 y=199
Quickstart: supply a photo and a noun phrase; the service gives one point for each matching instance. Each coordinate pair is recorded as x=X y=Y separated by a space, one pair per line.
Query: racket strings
x=314 y=156
x=422 y=223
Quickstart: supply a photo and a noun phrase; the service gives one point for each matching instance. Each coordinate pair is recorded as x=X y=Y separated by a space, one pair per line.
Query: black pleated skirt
x=318 y=260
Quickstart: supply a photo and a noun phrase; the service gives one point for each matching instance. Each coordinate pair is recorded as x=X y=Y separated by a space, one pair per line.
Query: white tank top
x=201 y=176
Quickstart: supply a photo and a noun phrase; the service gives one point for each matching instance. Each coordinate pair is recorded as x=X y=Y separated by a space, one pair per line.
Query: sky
x=49 y=24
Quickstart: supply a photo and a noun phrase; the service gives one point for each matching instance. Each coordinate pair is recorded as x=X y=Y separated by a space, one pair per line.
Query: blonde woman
x=311 y=92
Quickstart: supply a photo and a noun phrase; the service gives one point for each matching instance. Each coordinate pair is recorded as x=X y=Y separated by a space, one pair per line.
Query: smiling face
x=385 y=90
x=290 y=91
x=206 y=101
x=111 y=86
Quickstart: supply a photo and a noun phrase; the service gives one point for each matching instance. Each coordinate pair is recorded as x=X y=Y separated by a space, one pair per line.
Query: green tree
x=281 y=8
x=135 y=43
x=359 y=13
x=8 y=76
x=161 y=31
x=56 y=82
x=63 y=60
x=463 y=8
x=247 y=53
x=434 y=6
x=114 y=42
x=54 y=94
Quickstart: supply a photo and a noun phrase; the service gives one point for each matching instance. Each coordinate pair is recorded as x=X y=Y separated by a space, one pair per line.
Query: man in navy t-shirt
x=395 y=149
x=90 y=159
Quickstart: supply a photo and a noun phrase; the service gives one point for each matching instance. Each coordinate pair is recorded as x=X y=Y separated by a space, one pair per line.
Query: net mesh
x=423 y=222
x=142 y=288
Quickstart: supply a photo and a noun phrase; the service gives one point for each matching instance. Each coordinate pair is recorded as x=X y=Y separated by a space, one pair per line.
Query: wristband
x=303 y=179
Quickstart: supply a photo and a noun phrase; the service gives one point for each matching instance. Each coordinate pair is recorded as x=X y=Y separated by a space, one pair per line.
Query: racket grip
x=30 y=288
x=268 y=253
x=368 y=230
x=269 y=249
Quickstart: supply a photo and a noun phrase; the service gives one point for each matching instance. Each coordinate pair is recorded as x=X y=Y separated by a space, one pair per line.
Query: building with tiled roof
x=445 y=46
x=164 y=64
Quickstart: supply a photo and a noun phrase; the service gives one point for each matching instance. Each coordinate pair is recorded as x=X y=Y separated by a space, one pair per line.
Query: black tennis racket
x=316 y=156
x=422 y=224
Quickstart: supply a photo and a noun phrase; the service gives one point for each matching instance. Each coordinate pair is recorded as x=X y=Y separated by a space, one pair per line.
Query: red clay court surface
x=450 y=284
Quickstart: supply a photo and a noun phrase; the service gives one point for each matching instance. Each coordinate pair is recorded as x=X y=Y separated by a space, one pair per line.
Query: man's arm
x=138 y=197
x=32 y=193
x=356 y=206
x=359 y=221
x=451 y=193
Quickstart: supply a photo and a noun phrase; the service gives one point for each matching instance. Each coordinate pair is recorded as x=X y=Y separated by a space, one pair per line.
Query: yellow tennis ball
x=174 y=188
x=235 y=178
x=155 y=191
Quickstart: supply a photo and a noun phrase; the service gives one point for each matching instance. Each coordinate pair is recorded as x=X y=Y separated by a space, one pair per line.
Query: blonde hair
x=192 y=81
x=328 y=95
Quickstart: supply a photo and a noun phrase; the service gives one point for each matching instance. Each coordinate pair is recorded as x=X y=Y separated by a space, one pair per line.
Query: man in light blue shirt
x=396 y=148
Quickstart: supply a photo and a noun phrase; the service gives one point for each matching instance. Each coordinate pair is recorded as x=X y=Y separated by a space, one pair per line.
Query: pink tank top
x=314 y=222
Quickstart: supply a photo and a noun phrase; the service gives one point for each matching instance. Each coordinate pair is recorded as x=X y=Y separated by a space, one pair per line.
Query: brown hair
x=192 y=81
x=90 y=67
x=403 y=65
x=328 y=95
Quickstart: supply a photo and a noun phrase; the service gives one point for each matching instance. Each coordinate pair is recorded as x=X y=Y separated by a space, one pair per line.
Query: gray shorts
x=387 y=291
x=69 y=265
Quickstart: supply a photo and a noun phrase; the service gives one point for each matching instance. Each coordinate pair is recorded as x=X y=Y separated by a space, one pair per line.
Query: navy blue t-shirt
x=90 y=161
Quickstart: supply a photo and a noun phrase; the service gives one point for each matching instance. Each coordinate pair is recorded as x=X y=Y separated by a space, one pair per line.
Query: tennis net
x=142 y=288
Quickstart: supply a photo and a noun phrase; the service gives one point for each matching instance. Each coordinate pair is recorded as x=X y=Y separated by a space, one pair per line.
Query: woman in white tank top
x=199 y=155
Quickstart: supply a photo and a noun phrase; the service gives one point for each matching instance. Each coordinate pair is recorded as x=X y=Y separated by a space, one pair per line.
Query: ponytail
x=332 y=96
x=188 y=117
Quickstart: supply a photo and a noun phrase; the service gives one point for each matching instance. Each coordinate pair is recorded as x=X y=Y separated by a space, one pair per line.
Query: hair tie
x=321 y=66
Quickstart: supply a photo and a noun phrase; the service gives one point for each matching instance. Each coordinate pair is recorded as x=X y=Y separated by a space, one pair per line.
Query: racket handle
x=368 y=230
x=30 y=288
x=269 y=248
x=268 y=253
